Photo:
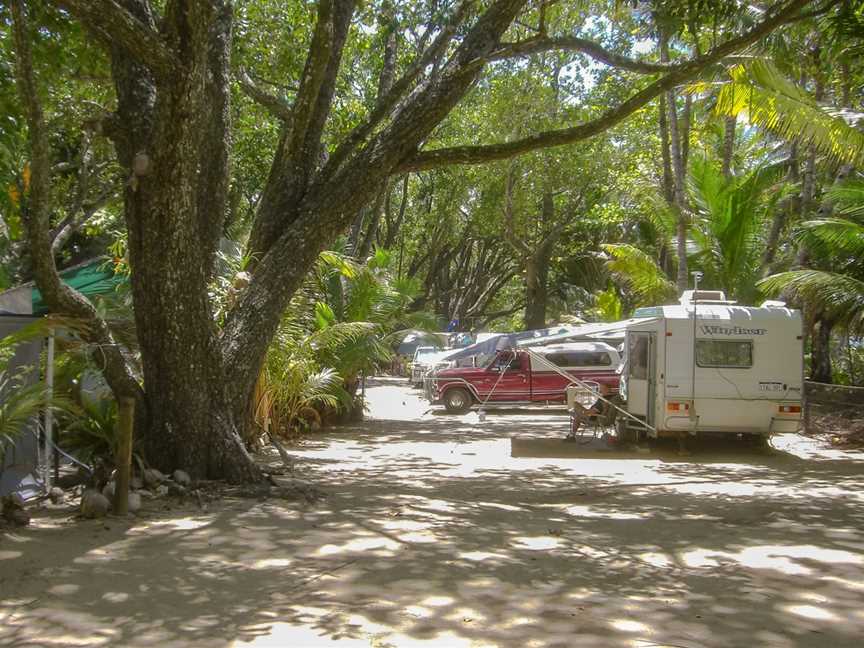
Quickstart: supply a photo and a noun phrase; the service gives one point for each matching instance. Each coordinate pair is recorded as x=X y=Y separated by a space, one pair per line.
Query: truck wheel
x=457 y=400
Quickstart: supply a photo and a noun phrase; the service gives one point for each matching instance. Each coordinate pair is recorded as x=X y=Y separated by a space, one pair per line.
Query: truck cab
x=519 y=377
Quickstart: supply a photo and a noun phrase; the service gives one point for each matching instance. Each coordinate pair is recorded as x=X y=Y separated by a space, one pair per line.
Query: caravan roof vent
x=773 y=303
x=704 y=297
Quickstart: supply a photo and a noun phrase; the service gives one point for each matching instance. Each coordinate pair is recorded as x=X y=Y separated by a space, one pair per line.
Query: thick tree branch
x=386 y=103
x=114 y=25
x=35 y=214
x=276 y=106
x=519 y=305
x=596 y=51
x=299 y=151
x=509 y=225
x=480 y=154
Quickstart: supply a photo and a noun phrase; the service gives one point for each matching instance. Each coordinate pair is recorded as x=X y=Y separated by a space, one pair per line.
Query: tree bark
x=679 y=176
x=537 y=268
x=536 y=275
x=173 y=132
x=820 y=353
x=782 y=211
x=668 y=182
x=729 y=123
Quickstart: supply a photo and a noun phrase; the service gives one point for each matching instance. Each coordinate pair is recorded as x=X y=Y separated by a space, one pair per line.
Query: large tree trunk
x=537 y=268
x=536 y=273
x=820 y=352
x=173 y=132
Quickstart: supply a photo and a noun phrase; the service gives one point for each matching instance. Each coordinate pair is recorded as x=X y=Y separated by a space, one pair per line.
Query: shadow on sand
x=444 y=532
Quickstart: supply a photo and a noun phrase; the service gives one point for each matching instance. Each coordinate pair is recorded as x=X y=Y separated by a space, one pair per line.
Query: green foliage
x=835 y=287
x=21 y=405
x=340 y=326
x=609 y=307
x=730 y=217
x=839 y=297
x=773 y=102
x=22 y=399
x=89 y=431
x=640 y=273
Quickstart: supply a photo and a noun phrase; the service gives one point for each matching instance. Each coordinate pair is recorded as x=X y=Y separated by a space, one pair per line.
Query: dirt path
x=447 y=531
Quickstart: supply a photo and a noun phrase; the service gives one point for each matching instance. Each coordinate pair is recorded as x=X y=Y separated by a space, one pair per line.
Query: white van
x=731 y=369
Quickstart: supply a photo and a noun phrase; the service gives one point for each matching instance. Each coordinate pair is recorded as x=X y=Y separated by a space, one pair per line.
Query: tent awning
x=503 y=340
x=600 y=329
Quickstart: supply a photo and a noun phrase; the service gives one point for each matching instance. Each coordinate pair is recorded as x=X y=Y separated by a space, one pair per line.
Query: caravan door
x=641 y=360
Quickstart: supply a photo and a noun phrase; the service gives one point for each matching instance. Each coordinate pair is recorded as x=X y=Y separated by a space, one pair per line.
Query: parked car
x=518 y=378
x=424 y=359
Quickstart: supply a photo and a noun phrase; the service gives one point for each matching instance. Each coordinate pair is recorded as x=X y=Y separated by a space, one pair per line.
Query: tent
x=20 y=460
x=91 y=278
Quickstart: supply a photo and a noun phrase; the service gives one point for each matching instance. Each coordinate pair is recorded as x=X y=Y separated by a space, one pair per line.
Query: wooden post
x=123 y=455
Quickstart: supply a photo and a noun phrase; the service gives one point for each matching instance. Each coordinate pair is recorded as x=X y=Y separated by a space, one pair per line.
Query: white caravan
x=746 y=376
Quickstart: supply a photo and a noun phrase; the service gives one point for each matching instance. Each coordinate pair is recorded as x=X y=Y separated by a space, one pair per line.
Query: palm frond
x=834 y=238
x=22 y=404
x=836 y=296
x=849 y=199
x=639 y=272
x=341 y=263
x=773 y=102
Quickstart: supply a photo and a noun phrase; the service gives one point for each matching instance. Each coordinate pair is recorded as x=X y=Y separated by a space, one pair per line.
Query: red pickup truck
x=524 y=380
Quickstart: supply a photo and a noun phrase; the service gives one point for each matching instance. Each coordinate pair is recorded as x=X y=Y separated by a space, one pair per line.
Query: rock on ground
x=182 y=477
x=152 y=478
x=108 y=491
x=56 y=495
x=94 y=504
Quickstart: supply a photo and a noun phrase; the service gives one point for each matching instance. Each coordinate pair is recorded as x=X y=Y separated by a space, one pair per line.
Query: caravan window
x=579 y=358
x=735 y=354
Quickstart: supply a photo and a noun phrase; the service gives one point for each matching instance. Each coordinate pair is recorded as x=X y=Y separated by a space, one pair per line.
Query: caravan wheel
x=457 y=400
x=626 y=435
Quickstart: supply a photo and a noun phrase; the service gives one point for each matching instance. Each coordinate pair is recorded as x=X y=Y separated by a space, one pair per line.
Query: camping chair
x=581 y=403
x=587 y=412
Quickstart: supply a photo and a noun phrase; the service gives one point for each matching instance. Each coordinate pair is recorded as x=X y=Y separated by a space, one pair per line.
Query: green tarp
x=92 y=278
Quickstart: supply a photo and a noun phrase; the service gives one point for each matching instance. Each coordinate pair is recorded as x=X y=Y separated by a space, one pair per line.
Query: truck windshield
x=422 y=354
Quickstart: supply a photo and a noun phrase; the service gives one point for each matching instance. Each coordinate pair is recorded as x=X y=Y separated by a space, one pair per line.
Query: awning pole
x=49 y=413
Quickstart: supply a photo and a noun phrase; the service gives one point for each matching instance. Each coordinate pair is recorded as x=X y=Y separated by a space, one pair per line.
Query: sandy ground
x=450 y=531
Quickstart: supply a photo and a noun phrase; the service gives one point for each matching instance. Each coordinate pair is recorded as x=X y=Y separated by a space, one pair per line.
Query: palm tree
x=726 y=235
x=729 y=218
x=337 y=328
x=640 y=273
x=776 y=104
x=834 y=286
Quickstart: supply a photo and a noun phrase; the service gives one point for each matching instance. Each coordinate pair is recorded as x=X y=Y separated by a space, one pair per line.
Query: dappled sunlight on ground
x=447 y=531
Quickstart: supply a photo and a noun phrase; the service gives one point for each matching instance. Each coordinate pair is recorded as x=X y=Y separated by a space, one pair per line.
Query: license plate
x=771 y=386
